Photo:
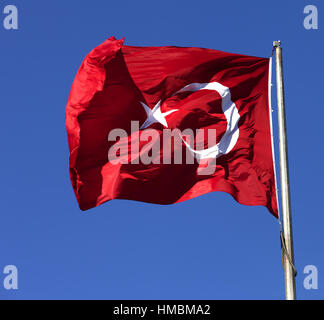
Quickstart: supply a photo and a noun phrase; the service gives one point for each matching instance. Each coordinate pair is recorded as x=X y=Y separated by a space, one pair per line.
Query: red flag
x=125 y=104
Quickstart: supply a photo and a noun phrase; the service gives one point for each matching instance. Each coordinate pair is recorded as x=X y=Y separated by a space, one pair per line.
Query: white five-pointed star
x=155 y=115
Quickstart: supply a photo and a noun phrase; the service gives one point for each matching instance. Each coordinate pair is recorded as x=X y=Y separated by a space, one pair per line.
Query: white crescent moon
x=230 y=137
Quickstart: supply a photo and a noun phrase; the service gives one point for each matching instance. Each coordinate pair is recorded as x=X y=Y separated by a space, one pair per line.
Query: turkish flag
x=145 y=93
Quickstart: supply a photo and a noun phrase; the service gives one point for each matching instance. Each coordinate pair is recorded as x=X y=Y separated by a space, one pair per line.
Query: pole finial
x=277 y=43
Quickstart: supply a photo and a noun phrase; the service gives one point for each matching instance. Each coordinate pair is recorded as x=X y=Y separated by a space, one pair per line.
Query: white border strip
x=272 y=143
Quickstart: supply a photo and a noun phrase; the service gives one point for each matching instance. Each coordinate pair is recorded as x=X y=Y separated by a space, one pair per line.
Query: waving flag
x=145 y=123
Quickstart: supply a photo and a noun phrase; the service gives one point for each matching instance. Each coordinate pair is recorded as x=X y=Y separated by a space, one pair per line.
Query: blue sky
x=207 y=248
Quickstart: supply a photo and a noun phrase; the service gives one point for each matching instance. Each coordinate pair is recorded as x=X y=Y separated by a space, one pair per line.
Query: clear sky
x=210 y=247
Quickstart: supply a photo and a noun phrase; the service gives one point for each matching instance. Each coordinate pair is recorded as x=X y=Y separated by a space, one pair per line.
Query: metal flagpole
x=286 y=237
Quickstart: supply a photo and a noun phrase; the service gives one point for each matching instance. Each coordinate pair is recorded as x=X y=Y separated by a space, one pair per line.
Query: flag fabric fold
x=170 y=88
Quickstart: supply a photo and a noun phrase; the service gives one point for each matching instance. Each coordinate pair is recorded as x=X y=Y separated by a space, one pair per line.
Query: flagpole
x=288 y=255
